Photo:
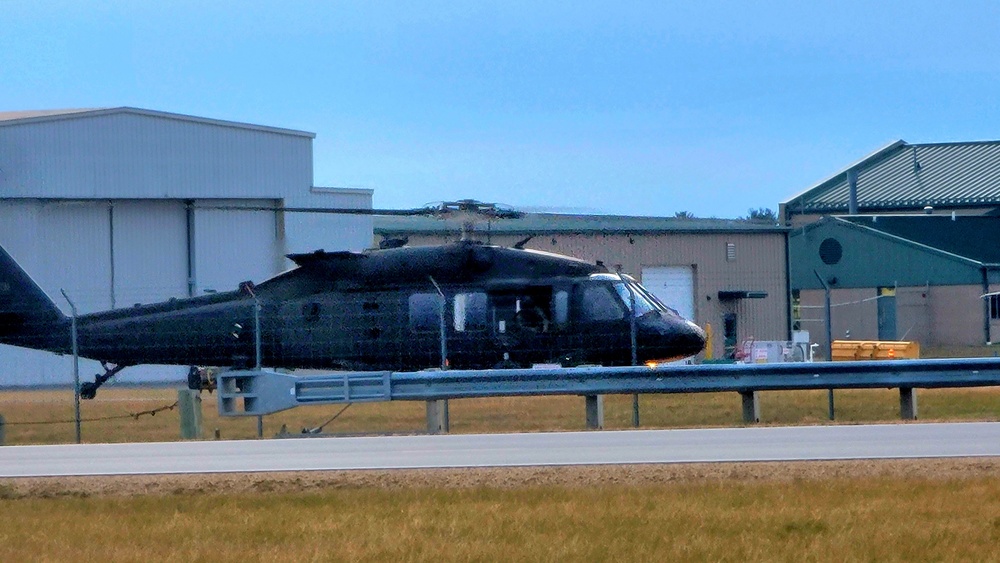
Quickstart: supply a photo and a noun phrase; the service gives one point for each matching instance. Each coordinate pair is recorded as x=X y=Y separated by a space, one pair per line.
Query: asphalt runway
x=497 y=450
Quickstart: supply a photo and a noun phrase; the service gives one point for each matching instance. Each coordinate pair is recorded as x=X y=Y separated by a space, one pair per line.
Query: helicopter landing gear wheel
x=88 y=390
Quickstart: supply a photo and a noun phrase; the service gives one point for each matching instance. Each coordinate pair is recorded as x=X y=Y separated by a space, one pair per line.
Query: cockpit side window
x=598 y=303
x=471 y=312
x=425 y=312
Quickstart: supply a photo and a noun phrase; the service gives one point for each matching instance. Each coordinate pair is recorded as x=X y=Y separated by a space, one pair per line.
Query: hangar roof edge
x=33 y=116
x=905 y=176
x=871 y=157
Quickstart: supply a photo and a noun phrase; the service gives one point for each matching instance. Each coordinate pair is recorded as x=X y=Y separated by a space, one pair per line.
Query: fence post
x=908 y=403
x=595 y=411
x=3 y=431
x=437 y=417
x=189 y=405
x=751 y=407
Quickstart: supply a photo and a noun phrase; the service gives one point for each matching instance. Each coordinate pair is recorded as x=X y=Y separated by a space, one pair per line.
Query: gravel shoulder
x=497 y=478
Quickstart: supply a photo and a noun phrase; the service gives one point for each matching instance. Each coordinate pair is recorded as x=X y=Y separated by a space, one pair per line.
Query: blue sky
x=636 y=108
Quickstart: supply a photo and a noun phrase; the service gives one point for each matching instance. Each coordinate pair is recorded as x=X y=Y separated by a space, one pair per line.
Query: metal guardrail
x=261 y=392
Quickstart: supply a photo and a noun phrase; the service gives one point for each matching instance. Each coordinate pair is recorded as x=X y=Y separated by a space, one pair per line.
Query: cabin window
x=470 y=312
x=532 y=313
x=425 y=312
x=530 y=309
x=597 y=303
x=560 y=307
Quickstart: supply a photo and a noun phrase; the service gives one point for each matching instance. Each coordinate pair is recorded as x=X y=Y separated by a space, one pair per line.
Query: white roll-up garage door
x=674 y=285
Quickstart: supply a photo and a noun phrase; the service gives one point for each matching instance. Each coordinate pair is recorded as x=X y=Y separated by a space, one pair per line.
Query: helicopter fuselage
x=462 y=305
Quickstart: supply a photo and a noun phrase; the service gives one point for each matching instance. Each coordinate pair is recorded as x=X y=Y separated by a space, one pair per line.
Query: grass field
x=903 y=510
x=46 y=417
x=747 y=513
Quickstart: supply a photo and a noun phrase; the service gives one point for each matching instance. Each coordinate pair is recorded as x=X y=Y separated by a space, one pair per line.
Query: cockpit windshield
x=643 y=302
x=625 y=286
x=656 y=300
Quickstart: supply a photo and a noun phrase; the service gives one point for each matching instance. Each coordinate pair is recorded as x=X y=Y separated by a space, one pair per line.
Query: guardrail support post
x=908 y=403
x=751 y=407
x=595 y=412
x=189 y=405
x=437 y=417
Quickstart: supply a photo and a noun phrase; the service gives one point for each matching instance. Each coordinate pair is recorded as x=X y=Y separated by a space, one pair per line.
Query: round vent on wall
x=830 y=251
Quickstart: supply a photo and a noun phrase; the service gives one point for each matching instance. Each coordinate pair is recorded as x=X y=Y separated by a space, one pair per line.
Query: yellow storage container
x=850 y=350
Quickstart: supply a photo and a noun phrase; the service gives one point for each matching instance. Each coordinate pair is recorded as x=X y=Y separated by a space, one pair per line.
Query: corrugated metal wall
x=150 y=251
x=938 y=299
x=233 y=246
x=113 y=254
x=62 y=246
x=870 y=259
x=99 y=206
x=135 y=155
x=306 y=232
x=933 y=315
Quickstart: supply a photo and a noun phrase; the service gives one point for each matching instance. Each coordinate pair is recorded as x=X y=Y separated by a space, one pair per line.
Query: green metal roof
x=546 y=223
x=903 y=176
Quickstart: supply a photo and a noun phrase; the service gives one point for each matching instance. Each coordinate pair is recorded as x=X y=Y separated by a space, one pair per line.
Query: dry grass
x=828 y=511
x=838 y=511
x=468 y=415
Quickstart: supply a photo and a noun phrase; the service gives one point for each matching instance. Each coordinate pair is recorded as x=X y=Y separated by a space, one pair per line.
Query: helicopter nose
x=690 y=338
x=673 y=337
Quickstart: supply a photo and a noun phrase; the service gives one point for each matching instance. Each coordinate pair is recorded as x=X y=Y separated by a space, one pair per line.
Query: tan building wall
x=914 y=316
x=957 y=315
x=930 y=315
x=853 y=312
x=759 y=265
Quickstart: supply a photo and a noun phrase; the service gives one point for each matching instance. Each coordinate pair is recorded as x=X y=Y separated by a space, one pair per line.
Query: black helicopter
x=463 y=305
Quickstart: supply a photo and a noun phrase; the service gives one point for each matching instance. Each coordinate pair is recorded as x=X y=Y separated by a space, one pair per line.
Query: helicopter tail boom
x=28 y=317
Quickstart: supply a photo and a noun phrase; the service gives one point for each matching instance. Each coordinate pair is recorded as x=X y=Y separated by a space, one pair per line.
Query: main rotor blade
x=339 y=211
x=445 y=209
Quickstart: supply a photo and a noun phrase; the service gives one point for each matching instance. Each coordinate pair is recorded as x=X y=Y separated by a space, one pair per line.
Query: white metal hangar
x=114 y=206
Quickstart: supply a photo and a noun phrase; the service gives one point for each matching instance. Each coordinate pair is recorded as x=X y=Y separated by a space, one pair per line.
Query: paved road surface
x=564 y=448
